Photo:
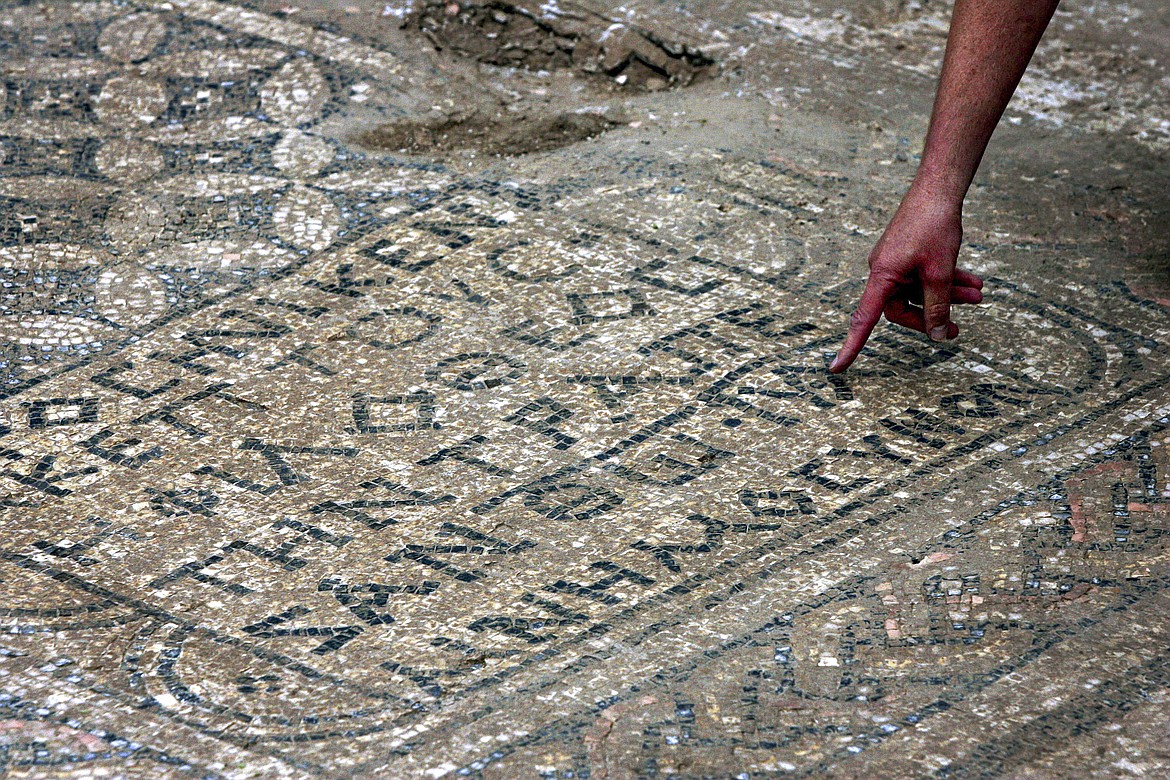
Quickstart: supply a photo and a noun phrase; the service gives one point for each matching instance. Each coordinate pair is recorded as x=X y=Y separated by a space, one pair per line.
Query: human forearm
x=989 y=46
x=913 y=279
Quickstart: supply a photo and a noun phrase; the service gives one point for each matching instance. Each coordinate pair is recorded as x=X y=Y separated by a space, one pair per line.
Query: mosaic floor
x=317 y=461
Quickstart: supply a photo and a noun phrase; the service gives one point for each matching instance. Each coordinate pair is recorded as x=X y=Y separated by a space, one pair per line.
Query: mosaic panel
x=315 y=463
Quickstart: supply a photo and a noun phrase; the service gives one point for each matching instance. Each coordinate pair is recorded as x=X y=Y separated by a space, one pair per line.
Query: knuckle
x=936 y=275
x=857 y=319
x=938 y=312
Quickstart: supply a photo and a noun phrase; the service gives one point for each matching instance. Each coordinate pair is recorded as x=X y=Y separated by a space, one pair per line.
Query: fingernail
x=938 y=333
x=833 y=365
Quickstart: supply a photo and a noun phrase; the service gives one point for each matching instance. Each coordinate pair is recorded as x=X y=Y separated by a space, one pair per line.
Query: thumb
x=936 y=305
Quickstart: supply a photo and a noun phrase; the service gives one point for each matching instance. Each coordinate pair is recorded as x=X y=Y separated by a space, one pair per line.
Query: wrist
x=942 y=189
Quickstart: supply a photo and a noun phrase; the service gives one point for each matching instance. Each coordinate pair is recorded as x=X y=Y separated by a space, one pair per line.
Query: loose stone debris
x=551 y=36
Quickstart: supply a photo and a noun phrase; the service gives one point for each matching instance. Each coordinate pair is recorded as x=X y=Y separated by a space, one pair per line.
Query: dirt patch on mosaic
x=504 y=134
x=547 y=36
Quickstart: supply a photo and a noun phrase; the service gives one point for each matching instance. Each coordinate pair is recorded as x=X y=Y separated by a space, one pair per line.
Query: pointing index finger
x=862 y=321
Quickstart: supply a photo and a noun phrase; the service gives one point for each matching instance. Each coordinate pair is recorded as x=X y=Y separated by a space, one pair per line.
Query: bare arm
x=912 y=278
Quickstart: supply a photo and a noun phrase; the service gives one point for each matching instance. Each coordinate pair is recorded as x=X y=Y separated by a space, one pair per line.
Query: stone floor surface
x=440 y=391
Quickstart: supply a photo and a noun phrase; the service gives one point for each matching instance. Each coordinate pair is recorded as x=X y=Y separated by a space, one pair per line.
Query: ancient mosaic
x=324 y=463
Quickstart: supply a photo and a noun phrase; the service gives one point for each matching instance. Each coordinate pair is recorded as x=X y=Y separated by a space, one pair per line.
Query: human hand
x=912 y=275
